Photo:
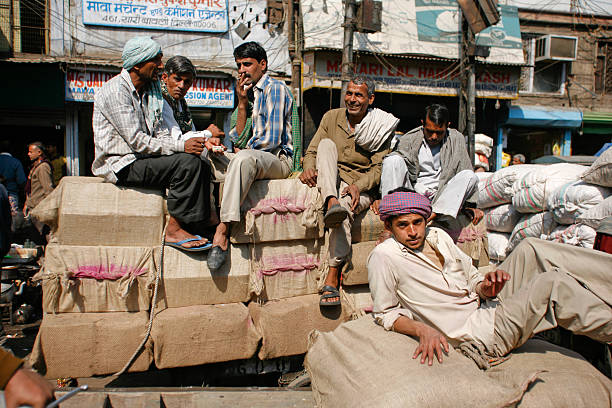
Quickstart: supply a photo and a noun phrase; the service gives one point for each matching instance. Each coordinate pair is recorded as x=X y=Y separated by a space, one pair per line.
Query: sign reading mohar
x=181 y=15
x=206 y=92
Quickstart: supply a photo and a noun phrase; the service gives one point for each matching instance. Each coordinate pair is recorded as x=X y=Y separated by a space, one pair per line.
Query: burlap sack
x=567 y=379
x=600 y=172
x=94 y=279
x=576 y=234
x=87 y=344
x=286 y=269
x=361 y=365
x=366 y=227
x=532 y=191
x=285 y=324
x=497 y=189
x=89 y=212
x=356 y=270
x=193 y=335
x=498 y=245
x=502 y=218
x=572 y=199
x=595 y=215
x=537 y=225
x=357 y=301
x=471 y=239
x=279 y=210
x=187 y=281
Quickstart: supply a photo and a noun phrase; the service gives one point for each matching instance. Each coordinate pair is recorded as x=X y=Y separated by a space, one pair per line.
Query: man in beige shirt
x=424 y=286
x=344 y=160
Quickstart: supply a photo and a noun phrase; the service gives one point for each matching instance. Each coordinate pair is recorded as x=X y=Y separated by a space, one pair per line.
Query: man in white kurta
x=423 y=285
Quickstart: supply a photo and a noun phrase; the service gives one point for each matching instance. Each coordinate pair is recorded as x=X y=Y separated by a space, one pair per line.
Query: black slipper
x=334 y=293
x=335 y=216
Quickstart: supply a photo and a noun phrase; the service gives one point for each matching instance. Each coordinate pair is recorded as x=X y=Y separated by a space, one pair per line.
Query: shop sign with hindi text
x=180 y=15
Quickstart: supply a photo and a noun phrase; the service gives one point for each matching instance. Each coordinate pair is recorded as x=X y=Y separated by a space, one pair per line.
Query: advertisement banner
x=206 y=92
x=421 y=27
x=416 y=77
x=181 y=15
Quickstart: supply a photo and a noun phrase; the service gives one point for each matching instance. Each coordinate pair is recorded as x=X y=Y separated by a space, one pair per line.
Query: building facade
x=56 y=54
x=565 y=94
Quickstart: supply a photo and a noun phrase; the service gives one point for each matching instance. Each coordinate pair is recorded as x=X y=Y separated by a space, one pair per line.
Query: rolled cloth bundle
x=404 y=203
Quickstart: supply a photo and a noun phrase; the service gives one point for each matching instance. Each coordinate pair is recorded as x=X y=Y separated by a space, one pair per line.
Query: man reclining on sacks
x=433 y=160
x=266 y=152
x=132 y=149
x=178 y=77
x=343 y=160
x=422 y=285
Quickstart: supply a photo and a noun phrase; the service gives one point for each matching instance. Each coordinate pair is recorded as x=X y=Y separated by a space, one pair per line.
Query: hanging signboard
x=181 y=15
x=206 y=92
x=415 y=77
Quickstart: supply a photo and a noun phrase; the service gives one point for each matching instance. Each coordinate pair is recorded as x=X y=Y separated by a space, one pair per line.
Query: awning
x=542 y=116
x=597 y=123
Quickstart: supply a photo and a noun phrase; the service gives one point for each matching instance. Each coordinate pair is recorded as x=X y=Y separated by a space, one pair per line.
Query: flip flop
x=334 y=293
x=179 y=245
x=335 y=216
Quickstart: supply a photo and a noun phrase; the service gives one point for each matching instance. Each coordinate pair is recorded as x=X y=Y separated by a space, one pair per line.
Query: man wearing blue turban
x=133 y=149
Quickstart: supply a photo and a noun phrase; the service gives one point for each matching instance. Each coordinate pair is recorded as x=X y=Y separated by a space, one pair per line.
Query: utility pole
x=467 y=93
x=347 y=50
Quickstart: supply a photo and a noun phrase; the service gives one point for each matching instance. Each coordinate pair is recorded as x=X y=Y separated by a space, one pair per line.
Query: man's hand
x=492 y=284
x=431 y=344
x=477 y=214
x=242 y=90
x=374 y=207
x=195 y=145
x=309 y=177
x=353 y=191
x=27 y=388
x=216 y=132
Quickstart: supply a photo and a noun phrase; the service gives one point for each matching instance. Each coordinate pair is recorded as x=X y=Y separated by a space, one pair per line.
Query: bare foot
x=174 y=233
x=331 y=280
x=383 y=237
x=220 y=238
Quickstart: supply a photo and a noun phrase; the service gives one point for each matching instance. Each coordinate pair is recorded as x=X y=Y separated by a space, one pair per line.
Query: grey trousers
x=331 y=185
x=553 y=285
x=447 y=201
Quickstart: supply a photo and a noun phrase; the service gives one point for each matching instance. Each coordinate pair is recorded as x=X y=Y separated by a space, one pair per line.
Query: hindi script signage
x=182 y=15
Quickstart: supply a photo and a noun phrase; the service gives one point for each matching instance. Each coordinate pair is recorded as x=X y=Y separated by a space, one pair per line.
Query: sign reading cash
x=181 y=15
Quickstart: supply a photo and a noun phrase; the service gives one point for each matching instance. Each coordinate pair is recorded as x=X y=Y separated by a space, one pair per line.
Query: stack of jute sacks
x=100 y=273
x=105 y=270
x=559 y=202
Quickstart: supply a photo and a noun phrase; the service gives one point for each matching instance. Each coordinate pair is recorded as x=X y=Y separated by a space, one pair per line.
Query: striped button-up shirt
x=271 y=117
x=122 y=129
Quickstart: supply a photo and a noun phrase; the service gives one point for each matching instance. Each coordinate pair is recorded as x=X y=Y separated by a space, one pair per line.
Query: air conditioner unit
x=556 y=48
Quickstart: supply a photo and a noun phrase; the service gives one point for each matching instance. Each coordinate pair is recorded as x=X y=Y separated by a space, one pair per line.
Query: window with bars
x=24 y=26
x=603 y=69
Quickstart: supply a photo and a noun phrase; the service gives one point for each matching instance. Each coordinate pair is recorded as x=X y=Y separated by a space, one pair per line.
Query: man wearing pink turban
x=423 y=285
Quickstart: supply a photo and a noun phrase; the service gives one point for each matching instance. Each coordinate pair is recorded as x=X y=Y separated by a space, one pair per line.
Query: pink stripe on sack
x=278 y=205
x=106 y=272
x=470 y=234
x=271 y=265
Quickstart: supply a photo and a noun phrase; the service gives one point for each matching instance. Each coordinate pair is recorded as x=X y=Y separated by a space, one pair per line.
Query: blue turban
x=139 y=49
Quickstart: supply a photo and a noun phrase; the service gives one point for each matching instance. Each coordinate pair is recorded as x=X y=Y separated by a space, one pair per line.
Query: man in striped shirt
x=266 y=153
x=132 y=149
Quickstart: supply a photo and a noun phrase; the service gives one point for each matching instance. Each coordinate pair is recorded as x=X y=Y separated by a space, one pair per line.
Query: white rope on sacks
x=158 y=271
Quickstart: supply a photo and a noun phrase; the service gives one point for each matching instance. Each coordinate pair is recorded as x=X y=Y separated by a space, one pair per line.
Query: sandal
x=334 y=293
x=335 y=216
